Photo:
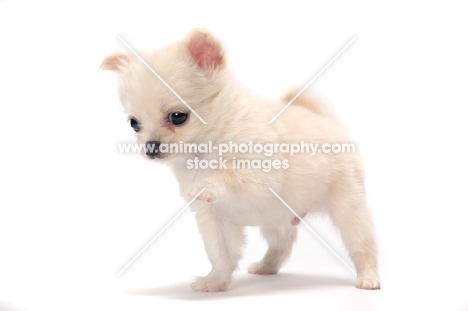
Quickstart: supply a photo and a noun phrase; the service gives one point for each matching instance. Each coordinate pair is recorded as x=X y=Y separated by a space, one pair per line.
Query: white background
x=74 y=211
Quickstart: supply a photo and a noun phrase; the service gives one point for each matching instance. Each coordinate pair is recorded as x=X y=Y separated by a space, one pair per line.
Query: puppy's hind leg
x=223 y=241
x=280 y=242
x=351 y=215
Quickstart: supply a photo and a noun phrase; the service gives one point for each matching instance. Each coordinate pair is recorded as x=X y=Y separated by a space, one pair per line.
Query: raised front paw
x=209 y=284
x=211 y=192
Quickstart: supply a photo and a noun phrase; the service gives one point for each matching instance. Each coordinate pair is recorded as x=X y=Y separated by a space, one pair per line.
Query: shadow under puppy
x=230 y=197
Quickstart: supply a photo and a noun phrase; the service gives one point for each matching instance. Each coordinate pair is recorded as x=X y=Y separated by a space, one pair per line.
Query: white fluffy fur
x=235 y=198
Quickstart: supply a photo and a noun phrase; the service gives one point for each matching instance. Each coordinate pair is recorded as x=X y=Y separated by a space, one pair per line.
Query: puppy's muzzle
x=152 y=149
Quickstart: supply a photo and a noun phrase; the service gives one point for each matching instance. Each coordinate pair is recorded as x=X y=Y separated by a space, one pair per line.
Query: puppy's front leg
x=223 y=241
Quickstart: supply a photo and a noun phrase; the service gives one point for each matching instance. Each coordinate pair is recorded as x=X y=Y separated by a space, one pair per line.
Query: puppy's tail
x=310 y=101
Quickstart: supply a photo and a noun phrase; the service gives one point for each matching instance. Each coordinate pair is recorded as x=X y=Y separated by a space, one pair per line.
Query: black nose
x=152 y=148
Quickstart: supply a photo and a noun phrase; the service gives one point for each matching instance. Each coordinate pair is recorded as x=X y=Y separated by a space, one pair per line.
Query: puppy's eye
x=178 y=118
x=136 y=126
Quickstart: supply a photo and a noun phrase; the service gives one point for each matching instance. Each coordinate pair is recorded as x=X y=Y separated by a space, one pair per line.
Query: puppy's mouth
x=159 y=155
x=152 y=150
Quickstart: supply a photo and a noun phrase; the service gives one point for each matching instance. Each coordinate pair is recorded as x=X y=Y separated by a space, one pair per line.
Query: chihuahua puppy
x=199 y=102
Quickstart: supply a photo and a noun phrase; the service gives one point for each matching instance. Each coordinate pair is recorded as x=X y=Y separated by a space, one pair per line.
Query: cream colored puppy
x=237 y=197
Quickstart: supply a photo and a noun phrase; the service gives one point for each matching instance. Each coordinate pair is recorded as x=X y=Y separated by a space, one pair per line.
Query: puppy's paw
x=261 y=268
x=368 y=282
x=209 y=284
x=211 y=192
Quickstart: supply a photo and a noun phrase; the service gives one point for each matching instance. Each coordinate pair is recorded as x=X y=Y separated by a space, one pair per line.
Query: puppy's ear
x=205 y=50
x=115 y=61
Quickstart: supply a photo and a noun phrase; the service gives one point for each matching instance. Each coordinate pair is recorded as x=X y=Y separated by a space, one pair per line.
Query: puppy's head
x=190 y=71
